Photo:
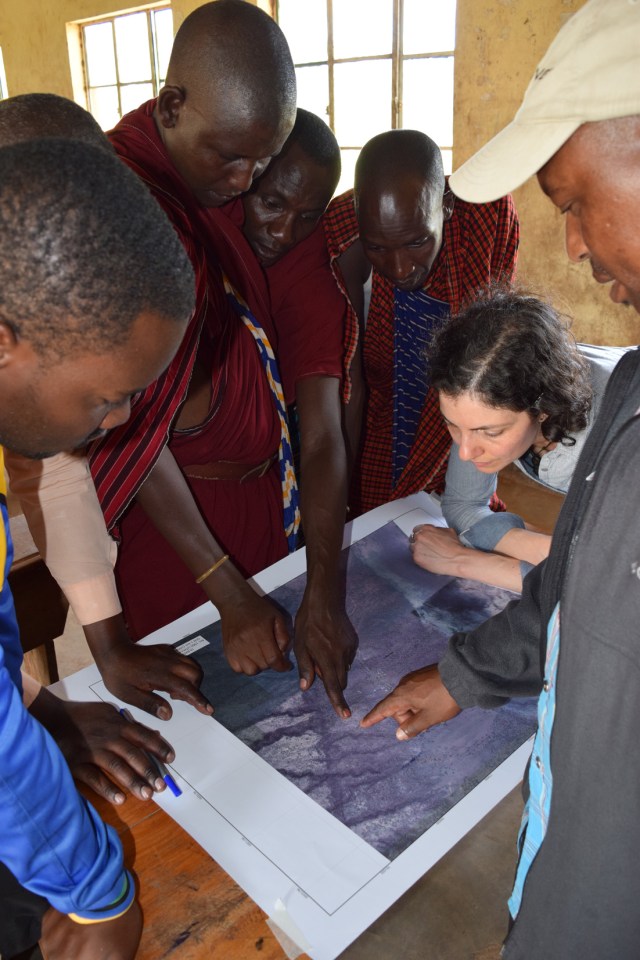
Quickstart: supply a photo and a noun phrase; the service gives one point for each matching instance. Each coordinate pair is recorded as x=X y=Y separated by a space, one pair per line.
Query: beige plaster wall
x=35 y=39
x=498 y=45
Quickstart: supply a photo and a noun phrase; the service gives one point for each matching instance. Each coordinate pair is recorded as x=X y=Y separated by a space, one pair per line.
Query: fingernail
x=169 y=757
x=346 y=714
x=159 y=784
x=401 y=735
x=304 y=683
x=119 y=798
x=147 y=793
x=164 y=713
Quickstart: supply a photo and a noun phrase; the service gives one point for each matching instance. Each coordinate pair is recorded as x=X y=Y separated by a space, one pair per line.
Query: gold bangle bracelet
x=207 y=573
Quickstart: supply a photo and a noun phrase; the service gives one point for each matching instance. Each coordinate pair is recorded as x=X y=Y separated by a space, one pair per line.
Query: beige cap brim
x=514 y=155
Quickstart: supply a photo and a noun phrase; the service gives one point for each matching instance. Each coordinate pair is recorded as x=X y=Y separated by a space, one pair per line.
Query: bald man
x=425 y=253
x=200 y=487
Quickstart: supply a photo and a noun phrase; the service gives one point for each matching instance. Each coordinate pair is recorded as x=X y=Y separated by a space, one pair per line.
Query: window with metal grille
x=125 y=61
x=372 y=65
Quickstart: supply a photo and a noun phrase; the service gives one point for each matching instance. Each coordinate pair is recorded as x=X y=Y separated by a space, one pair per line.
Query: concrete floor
x=457 y=911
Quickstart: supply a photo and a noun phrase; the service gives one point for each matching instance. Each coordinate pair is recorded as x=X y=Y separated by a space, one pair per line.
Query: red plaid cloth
x=480 y=244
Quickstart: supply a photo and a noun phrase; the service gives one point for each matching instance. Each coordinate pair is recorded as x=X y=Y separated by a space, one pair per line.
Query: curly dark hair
x=515 y=351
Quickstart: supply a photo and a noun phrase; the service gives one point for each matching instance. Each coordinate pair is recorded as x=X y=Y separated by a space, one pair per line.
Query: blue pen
x=162 y=770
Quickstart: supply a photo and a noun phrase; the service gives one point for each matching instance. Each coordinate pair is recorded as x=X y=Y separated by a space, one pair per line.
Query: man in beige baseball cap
x=589 y=74
x=573 y=638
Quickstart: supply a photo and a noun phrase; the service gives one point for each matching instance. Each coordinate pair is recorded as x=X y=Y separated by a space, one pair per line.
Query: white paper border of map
x=377 y=882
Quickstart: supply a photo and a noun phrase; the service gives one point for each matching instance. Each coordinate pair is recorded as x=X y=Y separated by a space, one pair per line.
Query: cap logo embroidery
x=542 y=72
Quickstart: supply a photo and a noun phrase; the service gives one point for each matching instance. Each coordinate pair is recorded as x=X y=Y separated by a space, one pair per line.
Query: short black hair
x=84 y=249
x=44 y=115
x=317 y=140
x=515 y=351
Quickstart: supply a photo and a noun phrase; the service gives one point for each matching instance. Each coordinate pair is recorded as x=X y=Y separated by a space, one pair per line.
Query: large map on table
x=389 y=793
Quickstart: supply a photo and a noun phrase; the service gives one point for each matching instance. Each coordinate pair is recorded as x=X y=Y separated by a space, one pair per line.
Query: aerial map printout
x=388 y=793
x=323 y=823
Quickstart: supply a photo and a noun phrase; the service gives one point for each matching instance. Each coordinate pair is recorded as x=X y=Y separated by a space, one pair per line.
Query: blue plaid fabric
x=416 y=318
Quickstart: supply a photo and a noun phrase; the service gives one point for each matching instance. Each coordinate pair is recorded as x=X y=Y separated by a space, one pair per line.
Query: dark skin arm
x=353 y=412
x=325 y=642
x=420 y=701
x=355 y=270
x=254 y=633
x=101 y=747
x=132 y=671
x=117 y=939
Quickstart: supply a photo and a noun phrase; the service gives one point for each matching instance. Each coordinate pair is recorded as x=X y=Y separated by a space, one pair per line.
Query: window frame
x=397 y=58
x=153 y=50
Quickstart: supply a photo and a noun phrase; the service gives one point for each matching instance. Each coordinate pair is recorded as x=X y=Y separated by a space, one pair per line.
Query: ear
x=8 y=344
x=448 y=203
x=170 y=102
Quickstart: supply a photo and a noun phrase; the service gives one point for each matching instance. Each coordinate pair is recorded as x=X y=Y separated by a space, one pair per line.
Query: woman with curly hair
x=514 y=387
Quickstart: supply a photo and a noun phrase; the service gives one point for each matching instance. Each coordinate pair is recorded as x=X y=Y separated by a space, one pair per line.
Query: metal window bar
x=153 y=49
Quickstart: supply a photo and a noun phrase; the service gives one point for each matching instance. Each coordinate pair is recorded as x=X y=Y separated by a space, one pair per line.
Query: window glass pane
x=427 y=98
x=103 y=104
x=134 y=94
x=363 y=100
x=349 y=158
x=313 y=90
x=304 y=24
x=132 y=46
x=3 y=80
x=429 y=26
x=99 y=54
x=163 y=33
x=362 y=28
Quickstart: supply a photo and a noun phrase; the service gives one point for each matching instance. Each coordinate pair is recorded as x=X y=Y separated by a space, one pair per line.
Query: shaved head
x=45 y=115
x=391 y=159
x=229 y=102
x=232 y=49
x=398 y=198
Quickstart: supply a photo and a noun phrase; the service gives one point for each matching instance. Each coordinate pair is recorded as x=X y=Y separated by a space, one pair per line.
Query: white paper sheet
x=321 y=883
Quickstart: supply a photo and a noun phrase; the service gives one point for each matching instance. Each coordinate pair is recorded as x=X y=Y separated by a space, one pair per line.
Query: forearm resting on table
x=526 y=545
x=502 y=567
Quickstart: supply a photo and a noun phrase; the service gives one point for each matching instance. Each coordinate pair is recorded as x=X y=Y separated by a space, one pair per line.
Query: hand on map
x=437 y=549
x=420 y=701
x=132 y=672
x=100 y=746
x=255 y=635
x=115 y=939
x=325 y=645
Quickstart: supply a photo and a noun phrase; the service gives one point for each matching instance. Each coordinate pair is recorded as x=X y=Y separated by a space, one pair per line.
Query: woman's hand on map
x=325 y=645
x=255 y=634
x=420 y=701
x=437 y=549
x=104 y=750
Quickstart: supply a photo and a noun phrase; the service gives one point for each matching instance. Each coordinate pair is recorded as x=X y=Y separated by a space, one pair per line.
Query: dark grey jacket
x=582 y=894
